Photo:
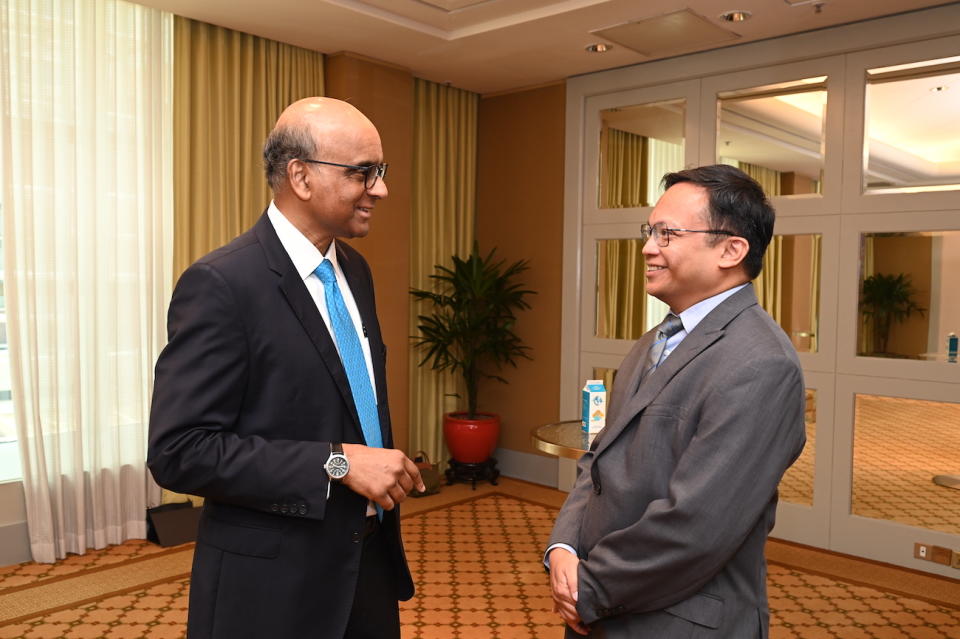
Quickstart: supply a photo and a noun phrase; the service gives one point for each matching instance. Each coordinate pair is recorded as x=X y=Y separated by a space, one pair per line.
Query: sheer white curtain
x=85 y=155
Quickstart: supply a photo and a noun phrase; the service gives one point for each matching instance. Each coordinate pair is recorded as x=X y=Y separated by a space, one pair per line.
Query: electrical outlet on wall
x=921 y=551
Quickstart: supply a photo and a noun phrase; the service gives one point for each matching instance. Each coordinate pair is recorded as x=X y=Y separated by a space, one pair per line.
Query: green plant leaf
x=469 y=329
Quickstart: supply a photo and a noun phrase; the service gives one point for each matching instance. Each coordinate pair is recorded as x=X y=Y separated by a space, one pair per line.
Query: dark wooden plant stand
x=459 y=471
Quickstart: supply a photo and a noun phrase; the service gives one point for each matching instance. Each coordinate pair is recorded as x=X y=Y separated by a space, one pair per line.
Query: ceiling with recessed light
x=491 y=46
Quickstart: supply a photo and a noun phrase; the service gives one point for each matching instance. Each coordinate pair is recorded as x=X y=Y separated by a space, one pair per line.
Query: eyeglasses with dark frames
x=661 y=234
x=371 y=172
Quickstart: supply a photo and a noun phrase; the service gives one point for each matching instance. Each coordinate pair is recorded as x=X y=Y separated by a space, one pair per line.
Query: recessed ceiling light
x=737 y=15
x=939 y=89
x=598 y=47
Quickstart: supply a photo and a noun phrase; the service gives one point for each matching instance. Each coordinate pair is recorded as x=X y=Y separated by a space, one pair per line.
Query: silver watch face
x=337 y=466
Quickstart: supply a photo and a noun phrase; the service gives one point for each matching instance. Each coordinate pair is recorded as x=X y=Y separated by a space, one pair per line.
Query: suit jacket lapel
x=303 y=306
x=708 y=331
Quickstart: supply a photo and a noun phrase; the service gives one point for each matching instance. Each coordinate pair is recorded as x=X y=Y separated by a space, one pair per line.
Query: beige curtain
x=442 y=219
x=620 y=286
x=769 y=284
x=85 y=123
x=769 y=179
x=623 y=170
x=229 y=89
x=608 y=375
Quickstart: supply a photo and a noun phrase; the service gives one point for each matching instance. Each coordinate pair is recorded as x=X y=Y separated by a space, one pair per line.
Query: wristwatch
x=337 y=465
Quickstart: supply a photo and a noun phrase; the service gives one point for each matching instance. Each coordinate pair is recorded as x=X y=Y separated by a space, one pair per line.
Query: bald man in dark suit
x=270 y=401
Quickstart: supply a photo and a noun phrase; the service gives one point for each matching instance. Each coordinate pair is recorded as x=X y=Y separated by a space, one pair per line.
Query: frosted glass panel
x=908 y=300
x=899 y=447
x=638 y=145
x=912 y=140
x=774 y=133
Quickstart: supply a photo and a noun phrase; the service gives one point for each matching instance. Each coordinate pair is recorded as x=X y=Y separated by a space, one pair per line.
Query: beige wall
x=520 y=212
x=385 y=94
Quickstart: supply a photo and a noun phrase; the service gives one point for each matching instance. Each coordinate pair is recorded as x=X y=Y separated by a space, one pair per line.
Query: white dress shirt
x=306 y=258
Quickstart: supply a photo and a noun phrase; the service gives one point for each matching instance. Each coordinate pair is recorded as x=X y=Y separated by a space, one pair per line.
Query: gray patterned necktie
x=670 y=326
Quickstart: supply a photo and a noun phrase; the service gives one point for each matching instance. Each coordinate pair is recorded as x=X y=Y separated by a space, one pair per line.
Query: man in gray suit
x=663 y=533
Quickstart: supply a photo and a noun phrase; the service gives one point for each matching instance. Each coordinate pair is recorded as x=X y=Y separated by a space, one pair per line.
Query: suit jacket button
x=355 y=537
x=275 y=507
x=303 y=509
x=283 y=509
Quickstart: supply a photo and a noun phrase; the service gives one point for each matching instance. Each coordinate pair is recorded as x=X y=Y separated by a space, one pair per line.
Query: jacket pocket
x=238 y=539
x=701 y=609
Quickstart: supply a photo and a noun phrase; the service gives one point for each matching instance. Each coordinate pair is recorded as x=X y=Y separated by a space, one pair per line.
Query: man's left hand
x=563 y=583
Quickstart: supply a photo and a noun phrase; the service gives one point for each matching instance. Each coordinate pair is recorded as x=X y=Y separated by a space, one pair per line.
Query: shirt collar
x=695 y=314
x=304 y=255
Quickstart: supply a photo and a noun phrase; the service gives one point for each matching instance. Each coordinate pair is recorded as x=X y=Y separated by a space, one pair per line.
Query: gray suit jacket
x=673 y=504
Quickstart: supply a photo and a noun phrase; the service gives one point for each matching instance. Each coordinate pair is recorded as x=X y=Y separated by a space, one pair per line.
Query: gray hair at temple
x=285 y=143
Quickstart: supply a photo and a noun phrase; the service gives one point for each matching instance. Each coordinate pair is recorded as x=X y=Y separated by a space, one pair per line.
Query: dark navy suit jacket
x=249 y=392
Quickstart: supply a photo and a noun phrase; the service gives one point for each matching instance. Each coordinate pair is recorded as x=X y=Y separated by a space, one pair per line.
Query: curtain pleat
x=624 y=170
x=620 y=282
x=769 y=284
x=229 y=89
x=87 y=203
x=442 y=218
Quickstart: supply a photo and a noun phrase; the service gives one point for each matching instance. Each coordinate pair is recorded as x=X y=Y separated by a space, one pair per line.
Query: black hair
x=737 y=204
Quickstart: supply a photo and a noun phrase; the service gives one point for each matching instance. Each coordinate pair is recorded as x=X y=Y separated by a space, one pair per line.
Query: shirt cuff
x=546 y=555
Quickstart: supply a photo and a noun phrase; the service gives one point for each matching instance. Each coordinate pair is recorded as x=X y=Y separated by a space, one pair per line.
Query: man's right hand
x=382 y=475
x=563 y=583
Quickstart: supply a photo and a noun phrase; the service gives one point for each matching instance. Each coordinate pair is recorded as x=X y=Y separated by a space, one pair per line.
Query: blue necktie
x=351 y=354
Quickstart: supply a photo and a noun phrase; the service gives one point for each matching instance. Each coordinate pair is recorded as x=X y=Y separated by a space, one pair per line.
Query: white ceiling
x=490 y=46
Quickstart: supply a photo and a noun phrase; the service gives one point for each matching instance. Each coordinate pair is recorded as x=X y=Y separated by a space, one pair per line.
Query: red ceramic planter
x=471 y=441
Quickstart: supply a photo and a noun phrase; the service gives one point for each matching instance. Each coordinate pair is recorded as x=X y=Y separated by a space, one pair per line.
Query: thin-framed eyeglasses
x=661 y=234
x=370 y=171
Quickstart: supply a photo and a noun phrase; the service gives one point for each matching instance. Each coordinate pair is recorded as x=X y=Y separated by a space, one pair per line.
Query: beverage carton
x=594 y=413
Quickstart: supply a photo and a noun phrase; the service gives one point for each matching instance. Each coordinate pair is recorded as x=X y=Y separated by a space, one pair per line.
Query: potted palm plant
x=469 y=331
x=887 y=299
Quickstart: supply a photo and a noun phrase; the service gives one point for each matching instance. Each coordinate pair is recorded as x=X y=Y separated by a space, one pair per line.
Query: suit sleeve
x=566 y=529
x=199 y=390
x=750 y=430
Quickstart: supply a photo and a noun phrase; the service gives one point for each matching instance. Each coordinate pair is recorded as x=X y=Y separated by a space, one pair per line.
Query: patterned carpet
x=478 y=572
